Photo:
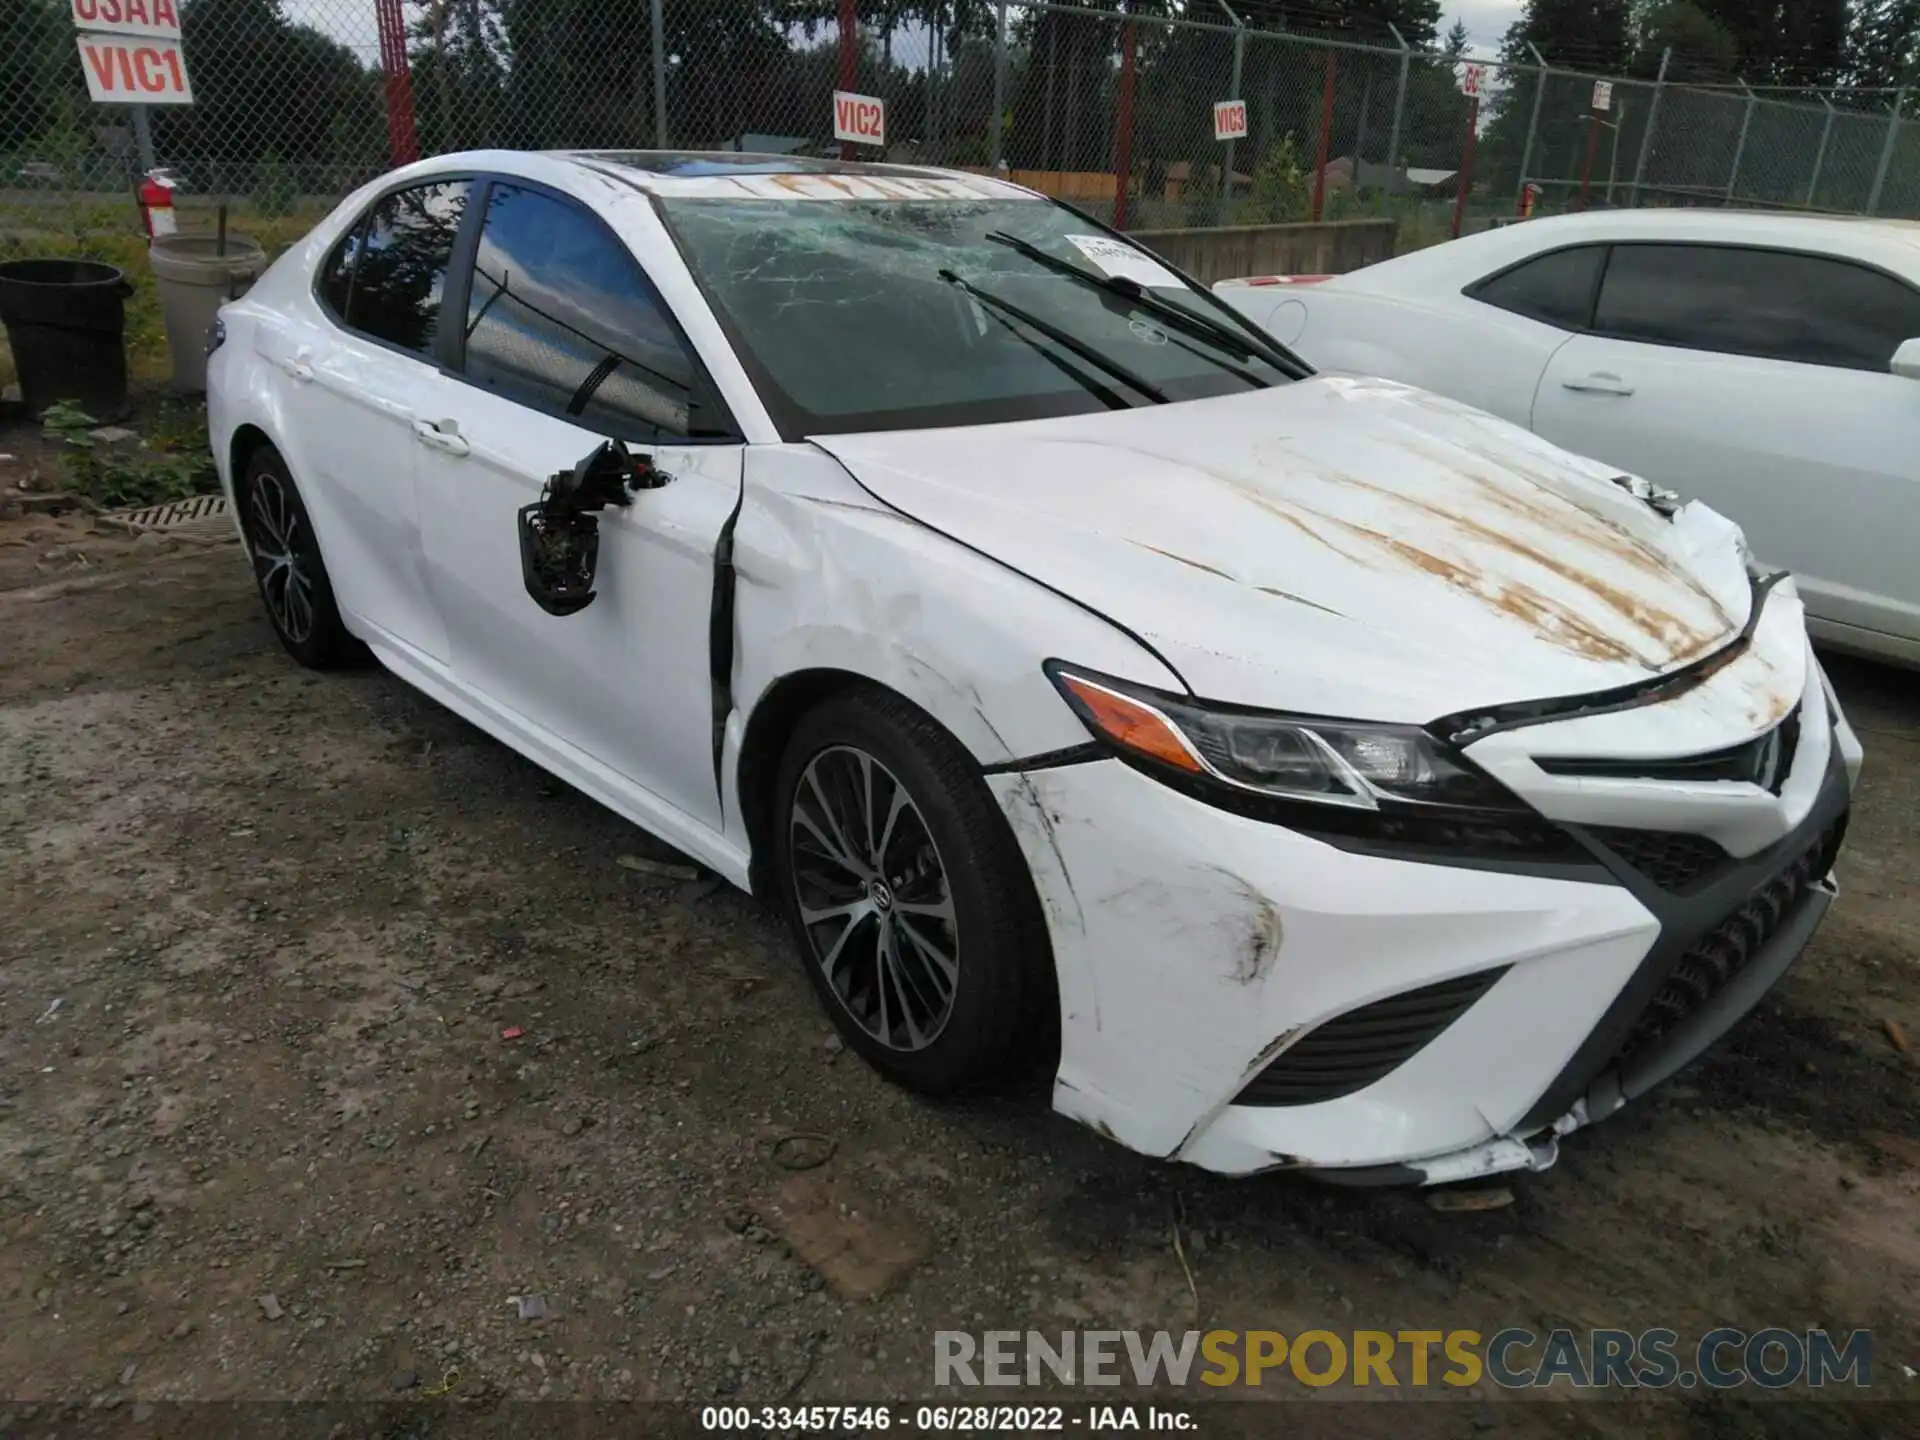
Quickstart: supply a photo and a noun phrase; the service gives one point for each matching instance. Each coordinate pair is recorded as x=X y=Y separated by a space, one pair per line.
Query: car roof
x=1890 y=244
x=736 y=174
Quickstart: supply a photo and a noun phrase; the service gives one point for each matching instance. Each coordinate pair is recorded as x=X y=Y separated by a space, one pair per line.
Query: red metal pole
x=402 y=144
x=1593 y=144
x=849 y=57
x=1326 y=142
x=1123 y=138
x=1465 y=178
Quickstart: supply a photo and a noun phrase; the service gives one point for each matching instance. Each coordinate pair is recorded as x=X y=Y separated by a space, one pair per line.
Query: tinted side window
x=1556 y=289
x=337 y=274
x=562 y=318
x=405 y=247
x=1769 y=303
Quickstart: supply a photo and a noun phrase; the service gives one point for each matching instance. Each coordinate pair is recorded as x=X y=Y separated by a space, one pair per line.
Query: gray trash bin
x=194 y=281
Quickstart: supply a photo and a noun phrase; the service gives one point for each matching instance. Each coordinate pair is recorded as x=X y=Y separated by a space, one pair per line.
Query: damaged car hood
x=1340 y=546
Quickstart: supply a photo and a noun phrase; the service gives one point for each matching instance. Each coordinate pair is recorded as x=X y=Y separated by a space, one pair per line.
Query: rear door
x=1758 y=381
x=566 y=343
x=355 y=377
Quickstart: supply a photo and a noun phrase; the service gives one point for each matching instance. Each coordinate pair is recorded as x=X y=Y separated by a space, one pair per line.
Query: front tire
x=912 y=907
x=287 y=566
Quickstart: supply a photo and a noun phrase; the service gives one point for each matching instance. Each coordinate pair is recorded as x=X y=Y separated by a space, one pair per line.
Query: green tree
x=1885 y=43
x=1279 y=192
x=40 y=75
x=1785 y=42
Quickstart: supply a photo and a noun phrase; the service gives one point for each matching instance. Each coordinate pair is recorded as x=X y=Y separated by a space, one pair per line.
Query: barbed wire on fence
x=295 y=102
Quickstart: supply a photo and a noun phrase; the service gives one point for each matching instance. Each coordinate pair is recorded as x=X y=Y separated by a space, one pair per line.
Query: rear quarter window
x=1556 y=288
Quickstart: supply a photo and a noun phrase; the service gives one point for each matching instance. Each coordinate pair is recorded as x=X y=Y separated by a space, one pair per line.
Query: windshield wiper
x=1059 y=337
x=1197 y=326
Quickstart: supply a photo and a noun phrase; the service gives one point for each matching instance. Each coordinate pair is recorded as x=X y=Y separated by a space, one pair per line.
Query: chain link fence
x=297 y=101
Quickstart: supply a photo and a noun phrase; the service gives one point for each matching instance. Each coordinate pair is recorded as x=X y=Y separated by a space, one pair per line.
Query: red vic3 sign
x=1230 y=120
x=861 y=118
x=159 y=18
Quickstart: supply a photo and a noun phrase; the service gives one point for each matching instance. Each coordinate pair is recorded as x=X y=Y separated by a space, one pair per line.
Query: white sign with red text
x=1602 y=95
x=1471 y=79
x=129 y=70
x=158 y=18
x=860 y=118
x=1230 y=120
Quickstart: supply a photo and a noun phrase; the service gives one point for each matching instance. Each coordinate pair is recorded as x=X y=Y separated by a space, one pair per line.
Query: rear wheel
x=911 y=904
x=288 y=567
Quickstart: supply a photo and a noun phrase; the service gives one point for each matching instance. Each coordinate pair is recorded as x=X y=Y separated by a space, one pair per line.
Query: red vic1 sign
x=860 y=118
x=159 y=18
x=126 y=70
x=1230 y=120
x=1471 y=77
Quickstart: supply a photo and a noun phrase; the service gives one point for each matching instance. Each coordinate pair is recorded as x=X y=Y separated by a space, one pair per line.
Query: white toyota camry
x=1308 y=772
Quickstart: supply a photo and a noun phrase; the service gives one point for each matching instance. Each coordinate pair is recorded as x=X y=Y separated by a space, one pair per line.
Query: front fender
x=828 y=577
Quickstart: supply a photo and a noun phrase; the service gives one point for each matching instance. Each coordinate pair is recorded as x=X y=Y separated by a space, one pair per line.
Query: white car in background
x=1304 y=772
x=1767 y=364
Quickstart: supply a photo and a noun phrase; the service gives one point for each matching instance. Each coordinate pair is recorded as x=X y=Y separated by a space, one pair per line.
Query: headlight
x=1374 y=787
x=1358 y=765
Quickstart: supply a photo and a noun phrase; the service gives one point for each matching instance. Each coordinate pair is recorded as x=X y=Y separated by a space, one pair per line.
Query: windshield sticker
x=1116 y=257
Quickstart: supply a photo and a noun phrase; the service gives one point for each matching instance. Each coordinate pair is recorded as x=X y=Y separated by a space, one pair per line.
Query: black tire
x=287 y=566
x=1002 y=1012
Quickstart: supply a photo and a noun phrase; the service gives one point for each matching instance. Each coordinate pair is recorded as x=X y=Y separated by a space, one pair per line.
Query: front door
x=568 y=344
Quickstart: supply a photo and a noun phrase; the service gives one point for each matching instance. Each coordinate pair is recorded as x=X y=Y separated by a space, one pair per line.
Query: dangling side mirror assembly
x=560 y=532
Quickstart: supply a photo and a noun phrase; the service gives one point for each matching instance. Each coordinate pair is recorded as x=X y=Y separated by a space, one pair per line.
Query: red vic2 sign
x=1230 y=120
x=159 y=18
x=860 y=118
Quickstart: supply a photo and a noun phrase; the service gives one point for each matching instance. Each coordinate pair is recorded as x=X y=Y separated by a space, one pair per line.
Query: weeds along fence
x=297 y=101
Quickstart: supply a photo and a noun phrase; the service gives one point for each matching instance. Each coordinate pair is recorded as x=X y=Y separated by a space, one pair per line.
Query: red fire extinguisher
x=156 y=205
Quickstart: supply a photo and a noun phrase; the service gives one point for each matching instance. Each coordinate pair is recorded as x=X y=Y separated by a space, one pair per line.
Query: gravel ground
x=341 y=1056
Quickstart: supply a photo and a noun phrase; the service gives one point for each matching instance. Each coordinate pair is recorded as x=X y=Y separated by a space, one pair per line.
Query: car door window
x=1776 y=304
x=562 y=318
x=1556 y=288
x=400 y=270
x=336 y=276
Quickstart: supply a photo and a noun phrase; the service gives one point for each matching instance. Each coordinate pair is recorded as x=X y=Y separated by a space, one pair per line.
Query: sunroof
x=691 y=165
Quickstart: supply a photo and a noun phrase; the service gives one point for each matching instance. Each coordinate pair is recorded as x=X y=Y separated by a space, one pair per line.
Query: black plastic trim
x=1048 y=760
x=1685 y=919
x=720 y=638
x=1463 y=727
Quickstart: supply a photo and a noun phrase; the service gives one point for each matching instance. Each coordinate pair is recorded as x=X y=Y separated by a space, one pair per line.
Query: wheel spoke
x=844 y=852
x=880 y=981
x=944 y=963
x=829 y=849
x=832 y=955
x=900 y=803
x=941 y=909
x=860 y=907
x=903 y=988
x=910 y=988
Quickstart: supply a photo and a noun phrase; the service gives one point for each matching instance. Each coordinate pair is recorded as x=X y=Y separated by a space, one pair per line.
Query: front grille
x=1711 y=963
x=1763 y=761
x=1669 y=859
x=1351 y=1051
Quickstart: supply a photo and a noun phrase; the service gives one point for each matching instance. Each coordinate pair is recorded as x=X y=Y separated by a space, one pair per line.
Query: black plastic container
x=66 y=322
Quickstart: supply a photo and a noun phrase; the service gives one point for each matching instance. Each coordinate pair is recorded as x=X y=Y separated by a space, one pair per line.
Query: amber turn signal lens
x=1138 y=727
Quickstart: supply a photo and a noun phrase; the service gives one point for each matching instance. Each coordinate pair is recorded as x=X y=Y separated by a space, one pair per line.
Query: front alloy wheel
x=874 y=898
x=909 y=899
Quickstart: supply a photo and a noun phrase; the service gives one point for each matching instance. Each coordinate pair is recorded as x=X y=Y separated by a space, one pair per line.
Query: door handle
x=1598 y=383
x=448 y=438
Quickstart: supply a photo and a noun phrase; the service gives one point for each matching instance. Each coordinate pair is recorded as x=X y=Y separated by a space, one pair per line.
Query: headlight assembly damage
x=1359 y=784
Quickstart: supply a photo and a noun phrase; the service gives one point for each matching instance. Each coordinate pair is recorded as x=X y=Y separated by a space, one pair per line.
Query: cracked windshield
x=888 y=314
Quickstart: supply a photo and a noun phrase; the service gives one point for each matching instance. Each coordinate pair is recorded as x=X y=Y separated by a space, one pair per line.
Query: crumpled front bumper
x=1194 y=946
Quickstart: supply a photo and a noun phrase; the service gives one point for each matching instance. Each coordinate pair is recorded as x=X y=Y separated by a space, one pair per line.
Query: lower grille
x=1351 y=1051
x=1712 y=962
x=1670 y=860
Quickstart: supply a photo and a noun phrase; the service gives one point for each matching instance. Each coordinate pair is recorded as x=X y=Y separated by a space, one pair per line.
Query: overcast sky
x=351 y=22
